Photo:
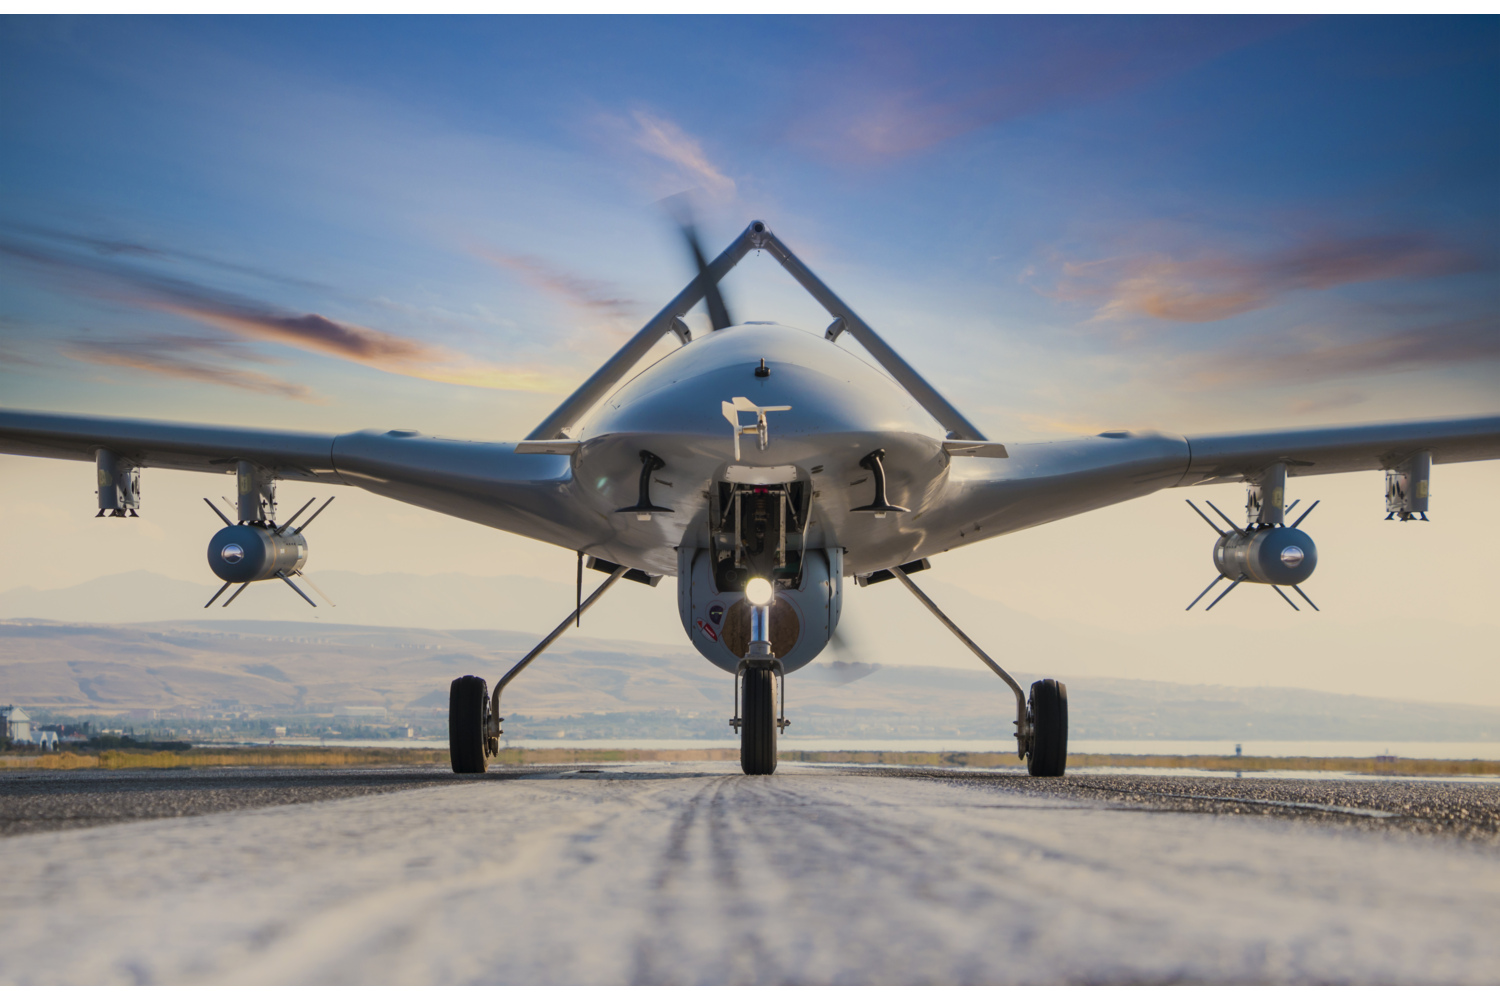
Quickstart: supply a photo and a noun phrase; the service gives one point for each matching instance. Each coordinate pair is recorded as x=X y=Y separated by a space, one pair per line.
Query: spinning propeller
x=713 y=299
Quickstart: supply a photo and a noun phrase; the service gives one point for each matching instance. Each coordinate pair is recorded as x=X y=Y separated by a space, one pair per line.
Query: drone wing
x=1220 y=458
x=162 y=445
x=530 y=494
x=1047 y=481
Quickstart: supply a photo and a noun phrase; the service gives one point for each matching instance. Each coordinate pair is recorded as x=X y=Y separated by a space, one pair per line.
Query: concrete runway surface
x=694 y=873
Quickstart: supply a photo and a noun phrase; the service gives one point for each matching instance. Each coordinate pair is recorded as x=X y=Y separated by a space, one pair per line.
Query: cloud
x=122 y=281
x=308 y=331
x=177 y=357
x=897 y=86
x=1314 y=357
x=666 y=141
x=1206 y=289
x=14 y=359
x=106 y=246
x=1342 y=400
x=587 y=294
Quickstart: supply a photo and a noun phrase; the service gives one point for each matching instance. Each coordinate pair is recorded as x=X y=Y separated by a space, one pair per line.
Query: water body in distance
x=1250 y=748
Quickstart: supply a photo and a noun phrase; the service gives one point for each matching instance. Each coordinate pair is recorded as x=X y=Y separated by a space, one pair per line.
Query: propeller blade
x=1305 y=597
x=316 y=589
x=289 y=521
x=237 y=593
x=1206 y=520
x=1306 y=512
x=288 y=581
x=1285 y=598
x=718 y=313
x=1210 y=586
x=217 y=592
x=1225 y=593
x=315 y=514
x=215 y=508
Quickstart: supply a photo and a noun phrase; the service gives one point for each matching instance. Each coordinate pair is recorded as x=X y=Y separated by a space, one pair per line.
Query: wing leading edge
x=162 y=445
x=1314 y=451
x=477 y=481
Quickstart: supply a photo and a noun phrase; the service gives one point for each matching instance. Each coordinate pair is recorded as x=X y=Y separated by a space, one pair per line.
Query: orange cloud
x=1316 y=359
x=116 y=280
x=1206 y=289
x=584 y=293
x=159 y=361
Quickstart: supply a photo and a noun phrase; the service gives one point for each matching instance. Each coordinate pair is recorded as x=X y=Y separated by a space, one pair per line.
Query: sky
x=1068 y=225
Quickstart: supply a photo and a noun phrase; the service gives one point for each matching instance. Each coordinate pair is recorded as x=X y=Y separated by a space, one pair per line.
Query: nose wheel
x=758 y=721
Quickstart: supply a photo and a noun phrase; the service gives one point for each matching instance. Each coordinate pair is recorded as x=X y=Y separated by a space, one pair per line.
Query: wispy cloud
x=677 y=159
x=123 y=281
x=1315 y=356
x=897 y=86
x=590 y=295
x=667 y=140
x=1209 y=288
x=112 y=246
x=183 y=358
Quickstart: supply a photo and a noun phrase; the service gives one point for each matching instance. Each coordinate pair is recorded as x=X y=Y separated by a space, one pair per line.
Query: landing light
x=758 y=592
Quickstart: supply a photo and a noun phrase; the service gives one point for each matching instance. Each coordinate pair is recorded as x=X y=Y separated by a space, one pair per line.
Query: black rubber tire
x=1048 y=709
x=468 y=708
x=758 y=722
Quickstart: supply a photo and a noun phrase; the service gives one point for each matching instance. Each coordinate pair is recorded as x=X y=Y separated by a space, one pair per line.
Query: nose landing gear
x=758 y=716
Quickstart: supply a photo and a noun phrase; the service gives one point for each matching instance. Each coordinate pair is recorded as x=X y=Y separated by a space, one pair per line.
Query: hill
x=592 y=687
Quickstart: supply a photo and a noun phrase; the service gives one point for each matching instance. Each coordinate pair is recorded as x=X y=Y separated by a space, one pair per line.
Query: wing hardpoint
x=1046 y=481
x=1219 y=458
x=162 y=445
x=478 y=481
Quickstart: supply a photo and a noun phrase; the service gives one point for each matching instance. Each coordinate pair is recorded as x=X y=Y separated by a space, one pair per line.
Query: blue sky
x=1066 y=223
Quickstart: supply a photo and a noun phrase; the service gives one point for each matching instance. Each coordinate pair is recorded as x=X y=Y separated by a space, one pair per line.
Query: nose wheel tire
x=758 y=722
x=1048 y=709
x=468 y=711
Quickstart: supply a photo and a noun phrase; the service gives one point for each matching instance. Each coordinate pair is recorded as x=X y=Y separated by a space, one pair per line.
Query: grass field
x=377 y=757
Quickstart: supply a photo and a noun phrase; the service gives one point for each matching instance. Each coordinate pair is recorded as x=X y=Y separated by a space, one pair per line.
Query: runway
x=694 y=873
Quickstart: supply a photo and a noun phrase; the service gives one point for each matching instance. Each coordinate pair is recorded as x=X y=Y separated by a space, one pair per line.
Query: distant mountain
x=622 y=688
x=882 y=624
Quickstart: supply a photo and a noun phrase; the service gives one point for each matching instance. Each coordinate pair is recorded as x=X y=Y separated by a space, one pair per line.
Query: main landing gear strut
x=474 y=714
x=1041 y=723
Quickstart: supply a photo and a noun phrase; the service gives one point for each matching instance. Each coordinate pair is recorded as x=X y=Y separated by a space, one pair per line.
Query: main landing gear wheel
x=1048 y=709
x=758 y=722
x=468 y=711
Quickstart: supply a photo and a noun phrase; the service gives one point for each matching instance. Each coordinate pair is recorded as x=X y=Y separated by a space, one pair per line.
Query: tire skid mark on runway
x=1011 y=886
x=673 y=865
x=706 y=851
x=807 y=876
